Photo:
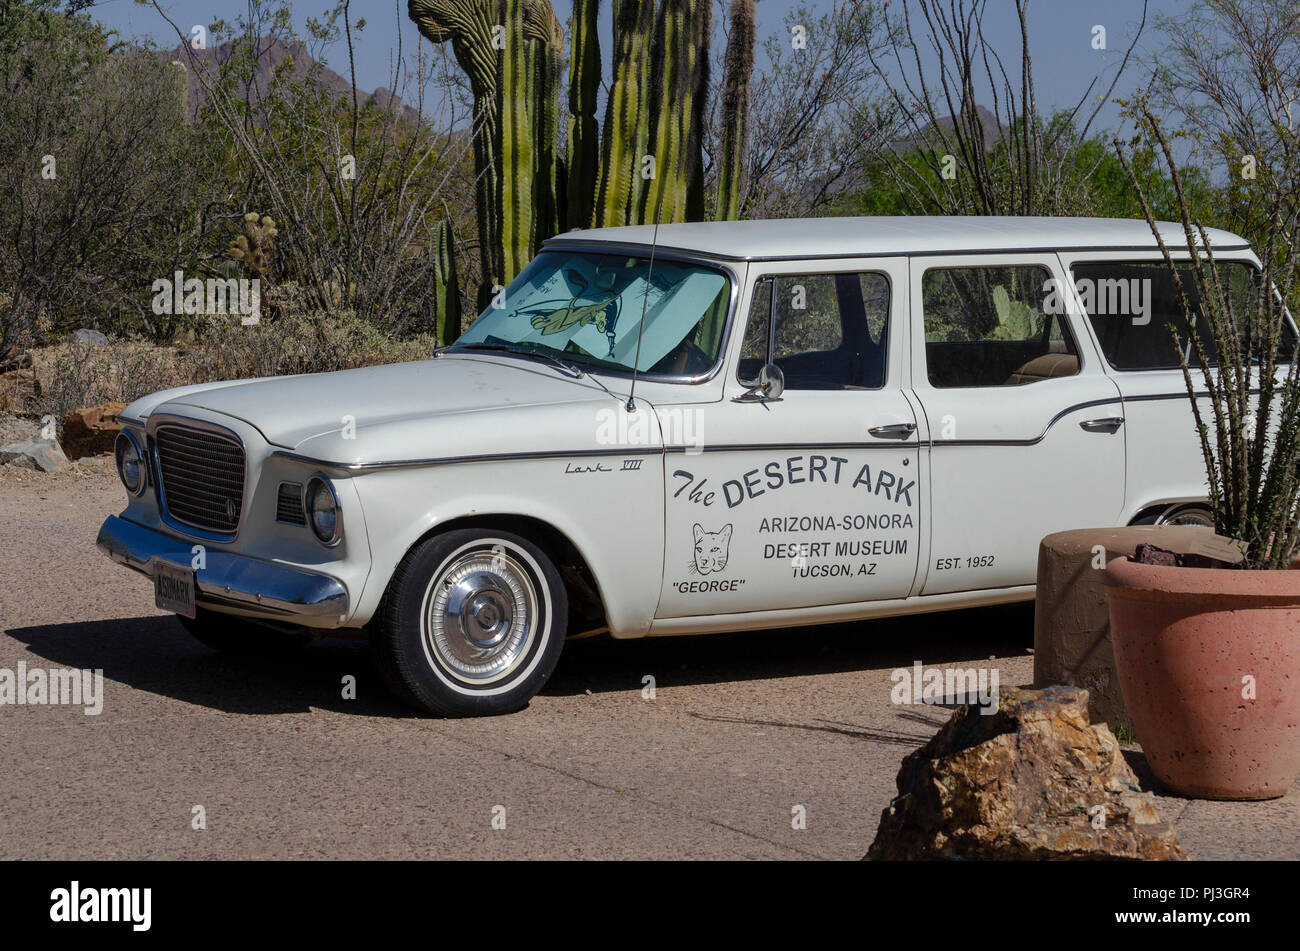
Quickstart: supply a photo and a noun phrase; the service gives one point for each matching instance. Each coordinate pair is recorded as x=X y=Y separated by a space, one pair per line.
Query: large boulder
x=91 y=430
x=1033 y=780
x=43 y=454
x=93 y=338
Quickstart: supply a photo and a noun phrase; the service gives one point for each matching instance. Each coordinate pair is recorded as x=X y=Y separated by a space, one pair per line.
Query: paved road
x=742 y=729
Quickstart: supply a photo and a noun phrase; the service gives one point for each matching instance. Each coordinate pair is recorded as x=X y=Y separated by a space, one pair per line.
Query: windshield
x=586 y=308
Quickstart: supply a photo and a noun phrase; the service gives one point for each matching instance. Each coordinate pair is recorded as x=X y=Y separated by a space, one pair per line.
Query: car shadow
x=602 y=664
x=156 y=655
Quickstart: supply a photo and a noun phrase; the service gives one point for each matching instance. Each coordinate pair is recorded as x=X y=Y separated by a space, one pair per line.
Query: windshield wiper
x=568 y=368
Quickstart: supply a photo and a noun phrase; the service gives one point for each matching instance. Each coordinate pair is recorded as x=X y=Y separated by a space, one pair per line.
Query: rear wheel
x=472 y=624
x=1191 y=514
x=235 y=635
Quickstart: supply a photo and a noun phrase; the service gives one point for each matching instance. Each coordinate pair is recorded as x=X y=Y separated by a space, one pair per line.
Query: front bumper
x=240 y=582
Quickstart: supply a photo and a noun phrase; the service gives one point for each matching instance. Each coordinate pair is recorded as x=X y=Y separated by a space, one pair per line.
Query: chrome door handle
x=1107 y=424
x=895 y=430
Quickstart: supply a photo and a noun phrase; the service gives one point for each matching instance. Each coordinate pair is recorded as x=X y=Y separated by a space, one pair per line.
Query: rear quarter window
x=1137 y=315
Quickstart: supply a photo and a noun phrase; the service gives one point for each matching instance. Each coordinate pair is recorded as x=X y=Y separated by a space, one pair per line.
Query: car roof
x=794 y=238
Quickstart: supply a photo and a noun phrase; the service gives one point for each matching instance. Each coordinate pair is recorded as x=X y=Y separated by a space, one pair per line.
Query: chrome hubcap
x=480 y=615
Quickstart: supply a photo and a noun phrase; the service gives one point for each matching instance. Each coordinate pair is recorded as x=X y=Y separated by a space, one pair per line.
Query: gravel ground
x=742 y=729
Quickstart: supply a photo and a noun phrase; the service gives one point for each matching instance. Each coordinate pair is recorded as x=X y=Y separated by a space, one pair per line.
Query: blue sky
x=1061 y=33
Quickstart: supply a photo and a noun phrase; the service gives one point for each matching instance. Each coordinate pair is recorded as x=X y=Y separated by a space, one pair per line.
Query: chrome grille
x=202 y=477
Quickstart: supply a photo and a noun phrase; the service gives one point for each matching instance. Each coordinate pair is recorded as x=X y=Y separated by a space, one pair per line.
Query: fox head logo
x=711 y=549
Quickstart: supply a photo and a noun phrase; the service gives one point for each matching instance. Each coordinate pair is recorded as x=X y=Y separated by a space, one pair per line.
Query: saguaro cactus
x=447 y=286
x=584 y=128
x=738 y=67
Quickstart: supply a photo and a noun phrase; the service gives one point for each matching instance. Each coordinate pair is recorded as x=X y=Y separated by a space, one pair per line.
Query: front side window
x=586 y=309
x=825 y=331
x=994 y=326
x=1133 y=306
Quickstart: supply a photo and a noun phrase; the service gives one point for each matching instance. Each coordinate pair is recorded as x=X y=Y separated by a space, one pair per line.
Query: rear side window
x=994 y=326
x=825 y=331
x=1133 y=305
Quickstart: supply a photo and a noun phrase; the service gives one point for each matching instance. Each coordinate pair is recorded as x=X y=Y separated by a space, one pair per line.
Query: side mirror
x=768 y=389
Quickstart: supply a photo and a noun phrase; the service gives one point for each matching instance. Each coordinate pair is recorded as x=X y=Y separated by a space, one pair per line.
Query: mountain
x=992 y=131
x=272 y=54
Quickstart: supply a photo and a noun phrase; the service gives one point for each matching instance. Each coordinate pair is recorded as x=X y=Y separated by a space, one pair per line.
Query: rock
x=1022 y=783
x=91 y=337
x=43 y=454
x=91 y=430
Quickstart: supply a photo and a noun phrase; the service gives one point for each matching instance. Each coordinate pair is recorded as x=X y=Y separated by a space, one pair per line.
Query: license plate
x=173 y=589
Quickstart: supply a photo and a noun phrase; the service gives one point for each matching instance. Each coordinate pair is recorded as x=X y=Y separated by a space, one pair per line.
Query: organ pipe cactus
x=447 y=286
x=584 y=128
x=655 y=111
x=682 y=28
x=627 y=115
x=738 y=67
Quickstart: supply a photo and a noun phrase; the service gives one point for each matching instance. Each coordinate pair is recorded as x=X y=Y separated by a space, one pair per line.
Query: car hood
x=337 y=411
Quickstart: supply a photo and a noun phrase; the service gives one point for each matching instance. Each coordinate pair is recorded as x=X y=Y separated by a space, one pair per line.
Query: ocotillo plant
x=738 y=67
x=447 y=286
x=495 y=42
x=584 y=128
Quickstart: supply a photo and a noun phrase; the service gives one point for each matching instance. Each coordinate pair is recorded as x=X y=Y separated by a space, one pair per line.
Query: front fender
x=610 y=506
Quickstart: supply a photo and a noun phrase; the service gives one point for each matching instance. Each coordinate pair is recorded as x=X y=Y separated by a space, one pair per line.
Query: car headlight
x=322 y=505
x=131 y=468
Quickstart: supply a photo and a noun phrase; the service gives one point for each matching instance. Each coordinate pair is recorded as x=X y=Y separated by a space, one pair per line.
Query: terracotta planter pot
x=1185 y=641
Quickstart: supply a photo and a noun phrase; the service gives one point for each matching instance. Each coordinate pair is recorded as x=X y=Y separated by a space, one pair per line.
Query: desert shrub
x=76 y=375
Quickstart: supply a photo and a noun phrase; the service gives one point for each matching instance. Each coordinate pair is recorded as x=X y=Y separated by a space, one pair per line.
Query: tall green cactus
x=627 y=116
x=584 y=128
x=661 y=56
x=446 y=284
x=495 y=42
x=738 y=67
x=682 y=30
x=547 y=63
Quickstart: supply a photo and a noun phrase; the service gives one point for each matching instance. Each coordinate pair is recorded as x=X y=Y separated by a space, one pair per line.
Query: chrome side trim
x=460 y=460
x=781 y=447
x=227 y=578
x=1034 y=441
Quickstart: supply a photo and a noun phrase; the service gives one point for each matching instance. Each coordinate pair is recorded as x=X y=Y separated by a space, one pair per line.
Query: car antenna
x=640 y=328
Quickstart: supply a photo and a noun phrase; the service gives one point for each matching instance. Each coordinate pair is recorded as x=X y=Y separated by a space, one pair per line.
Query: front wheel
x=472 y=623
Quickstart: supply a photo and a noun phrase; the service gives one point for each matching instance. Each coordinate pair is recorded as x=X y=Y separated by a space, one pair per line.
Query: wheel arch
x=586 y=599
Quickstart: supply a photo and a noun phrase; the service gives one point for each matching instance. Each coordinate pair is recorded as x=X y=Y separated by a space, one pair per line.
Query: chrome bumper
x=227 y=579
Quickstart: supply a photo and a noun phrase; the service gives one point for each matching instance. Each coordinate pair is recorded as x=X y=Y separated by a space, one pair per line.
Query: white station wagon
x=711 y=427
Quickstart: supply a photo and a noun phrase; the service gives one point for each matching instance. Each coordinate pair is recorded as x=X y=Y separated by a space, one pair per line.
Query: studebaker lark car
x=704 y=427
